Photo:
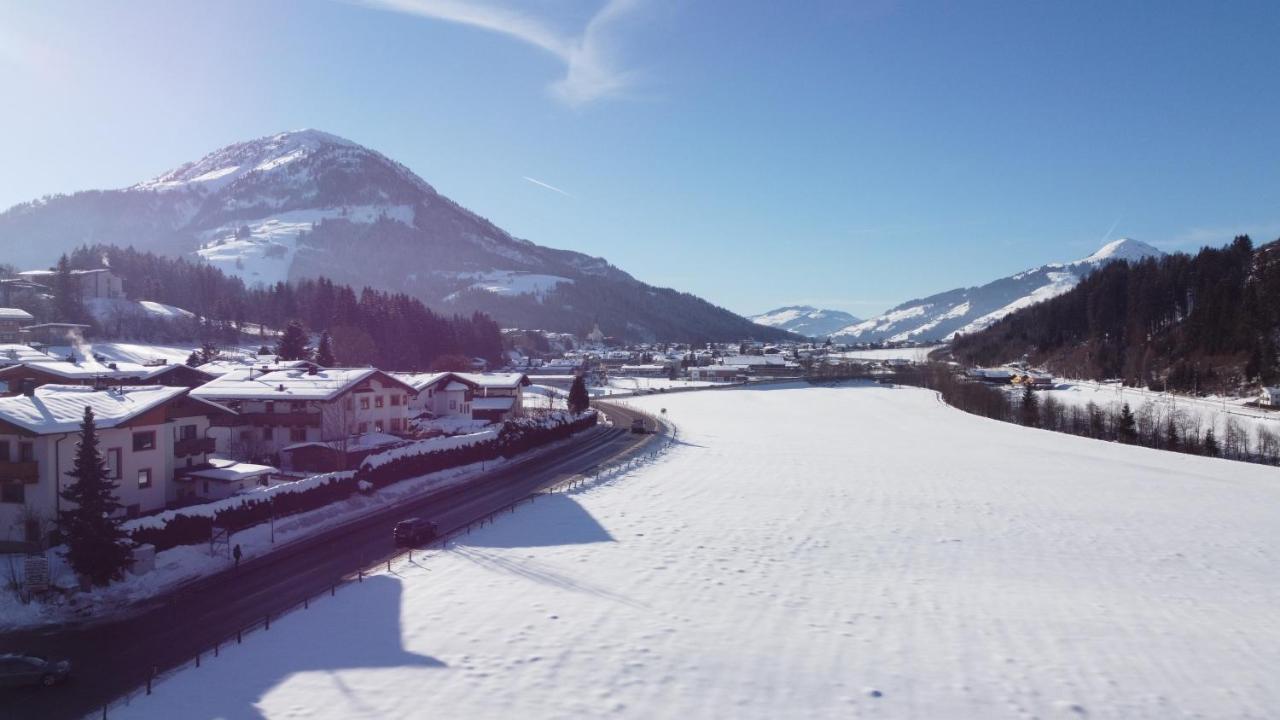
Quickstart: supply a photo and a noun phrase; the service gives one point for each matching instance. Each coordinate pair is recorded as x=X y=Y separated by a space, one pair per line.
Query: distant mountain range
x=968 y=310
x=806 y=320
x=309 y=204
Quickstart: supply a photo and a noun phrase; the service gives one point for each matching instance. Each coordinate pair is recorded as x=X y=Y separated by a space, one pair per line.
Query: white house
x=307 y=404
x=1270 y=397
x=145 y=435
x=496 y=396
x=12 y=321
x=97 y=283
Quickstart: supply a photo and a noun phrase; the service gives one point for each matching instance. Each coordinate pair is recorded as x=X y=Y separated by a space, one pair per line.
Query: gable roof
x=15 y=314
x=495 y=380
x=89 y=369
x=420 y=381
x=291 y=384
x=60 y=408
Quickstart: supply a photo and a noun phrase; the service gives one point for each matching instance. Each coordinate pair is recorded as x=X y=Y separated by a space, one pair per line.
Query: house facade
x=97 y=283
x=280 y=408
x=1270 y=397
x=12 y=322
x=145 y=435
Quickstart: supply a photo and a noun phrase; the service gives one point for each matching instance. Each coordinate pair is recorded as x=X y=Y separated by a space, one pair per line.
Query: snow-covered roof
x=495 y=380
x=455 y=386
x=15 y=314
x=227 y=471
x=90 y=368
x=420 y=381
x=292 y=384
x=492 y=403
x=13 y=353
x=753 y=360
x=60 y=408
x=223 y=366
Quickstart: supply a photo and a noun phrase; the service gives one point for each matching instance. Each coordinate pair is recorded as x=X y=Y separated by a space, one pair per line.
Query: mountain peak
x=805 y=320
x=1123 y=249
x=226 y=165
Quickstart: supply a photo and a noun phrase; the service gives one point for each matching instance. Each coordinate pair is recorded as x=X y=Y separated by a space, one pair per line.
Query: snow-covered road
x=812 y=553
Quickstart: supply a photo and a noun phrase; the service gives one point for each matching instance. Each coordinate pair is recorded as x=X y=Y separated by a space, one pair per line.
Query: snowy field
x=914 y=354
x=811 y=553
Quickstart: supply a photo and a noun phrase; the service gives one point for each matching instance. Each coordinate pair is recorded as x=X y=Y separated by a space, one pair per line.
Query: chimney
x=113 y=366
x=312 y=370
x=29 y=387
x=280 y=387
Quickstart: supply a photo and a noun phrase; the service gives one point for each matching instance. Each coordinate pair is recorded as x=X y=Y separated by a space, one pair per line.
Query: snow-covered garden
x=811 y=552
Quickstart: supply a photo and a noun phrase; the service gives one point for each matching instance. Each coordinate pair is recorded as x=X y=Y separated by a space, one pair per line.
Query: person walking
x=237 y=554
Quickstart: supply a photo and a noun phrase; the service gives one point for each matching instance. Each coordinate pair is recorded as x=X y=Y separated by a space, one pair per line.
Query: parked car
x=637 y=426
x=23 y=670
x=415 y=531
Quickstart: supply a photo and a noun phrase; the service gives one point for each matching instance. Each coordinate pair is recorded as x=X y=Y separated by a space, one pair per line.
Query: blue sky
x=845 y=154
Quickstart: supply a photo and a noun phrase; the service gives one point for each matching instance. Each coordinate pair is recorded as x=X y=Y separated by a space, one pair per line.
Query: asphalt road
x=112 y=657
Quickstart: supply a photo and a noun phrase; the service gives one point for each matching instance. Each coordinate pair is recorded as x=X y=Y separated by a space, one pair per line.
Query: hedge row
x=516 y=436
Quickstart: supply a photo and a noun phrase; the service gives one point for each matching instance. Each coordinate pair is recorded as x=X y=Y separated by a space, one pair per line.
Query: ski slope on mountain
x=968 y=310
x=810 y=553
x=805 y=320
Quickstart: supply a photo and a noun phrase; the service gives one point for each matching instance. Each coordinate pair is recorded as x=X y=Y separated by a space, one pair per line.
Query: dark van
x=415 y=531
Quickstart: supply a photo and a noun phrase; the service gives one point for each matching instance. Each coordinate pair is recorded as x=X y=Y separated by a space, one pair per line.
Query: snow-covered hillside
x=805 y=320
x=866 y=553
x=967 y=310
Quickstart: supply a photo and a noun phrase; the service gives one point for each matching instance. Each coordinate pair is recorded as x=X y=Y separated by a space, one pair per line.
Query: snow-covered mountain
x=966 y=310
x=806 y=320
x=308 y=204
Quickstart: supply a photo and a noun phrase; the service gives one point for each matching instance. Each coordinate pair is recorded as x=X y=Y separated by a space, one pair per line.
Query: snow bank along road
x=811 y=553
x=112 y=658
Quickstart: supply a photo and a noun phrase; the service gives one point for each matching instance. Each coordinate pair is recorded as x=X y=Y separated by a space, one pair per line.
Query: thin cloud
x=548 y=186
x=590 y=70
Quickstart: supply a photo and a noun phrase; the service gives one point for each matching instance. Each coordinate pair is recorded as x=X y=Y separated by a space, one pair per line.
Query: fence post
x=388 y=564
x=306 y=603
x=104 y=712
x=150 y=678
x=268 y=623
x=333 y=590
x=239 y=637
x=197 y=659
x=361 y=574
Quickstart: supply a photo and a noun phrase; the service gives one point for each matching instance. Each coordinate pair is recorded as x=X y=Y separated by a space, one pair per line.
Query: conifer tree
x=1127 y=428
x=1030 y=407
x=324 y=353
x=1210 y=444
x=293 y=344
x=194 y=359
x=579 y=401
x=96 y=546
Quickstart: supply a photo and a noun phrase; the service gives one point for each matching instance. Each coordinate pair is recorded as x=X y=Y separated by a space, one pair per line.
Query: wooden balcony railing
x=24 y=471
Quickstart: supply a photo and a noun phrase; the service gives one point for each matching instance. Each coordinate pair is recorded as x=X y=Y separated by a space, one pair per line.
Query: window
x=453 y=404
x=144 y=441
x=113 y=463
x=395 y=425
x=349 y=404
x=395 y=400
x=26 y=452
x=364 y=403
x=298 y=433
x=4 y=451
x=378 y=402
x=144 y=478
x=12 y=493
x=245 y=436
x=133 y=510
x=297 y=406
x=271 y=406
x=187 y=432
x=268 y=433
x=362 y=428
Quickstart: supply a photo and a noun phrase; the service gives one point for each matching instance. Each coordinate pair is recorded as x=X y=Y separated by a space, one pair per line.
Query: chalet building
x=438 y=395
x=1270 y=397
x=12 y=323
x=50 y=371
x=286 y=407
x=492 y=397
x=99 y=283
x=496 y=396
x=145 y=434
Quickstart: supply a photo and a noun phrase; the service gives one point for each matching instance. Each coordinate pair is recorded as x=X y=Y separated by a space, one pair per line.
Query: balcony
x=23 y=471
x=193 y=446
x=276 y=419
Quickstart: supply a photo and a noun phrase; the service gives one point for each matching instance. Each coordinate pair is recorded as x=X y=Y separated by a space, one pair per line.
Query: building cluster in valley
x=173 y=435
